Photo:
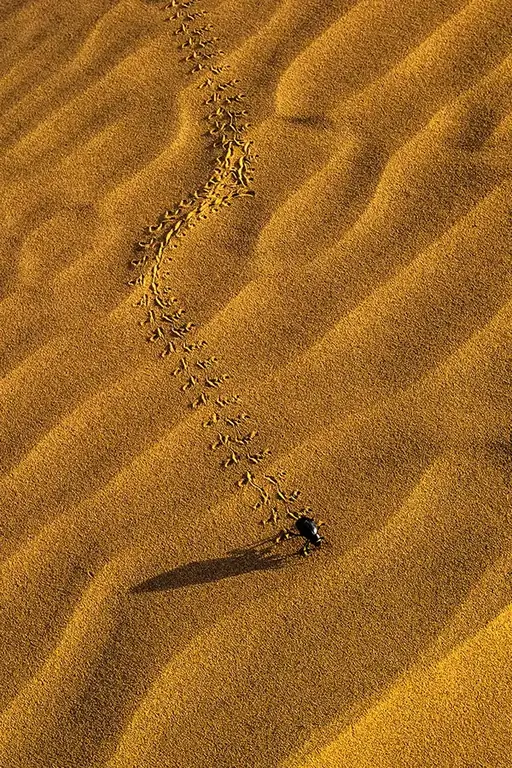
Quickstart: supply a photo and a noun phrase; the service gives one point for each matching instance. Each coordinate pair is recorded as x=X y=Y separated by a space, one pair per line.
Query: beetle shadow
x=254 y=557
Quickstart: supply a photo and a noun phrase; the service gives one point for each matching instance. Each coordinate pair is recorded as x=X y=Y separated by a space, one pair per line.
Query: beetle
x=305 y=526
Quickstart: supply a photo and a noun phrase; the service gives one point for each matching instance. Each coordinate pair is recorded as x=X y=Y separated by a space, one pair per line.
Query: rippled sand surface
x=342 y=296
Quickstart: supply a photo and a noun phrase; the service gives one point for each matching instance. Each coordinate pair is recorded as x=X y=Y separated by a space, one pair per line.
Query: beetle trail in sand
x=165 y=321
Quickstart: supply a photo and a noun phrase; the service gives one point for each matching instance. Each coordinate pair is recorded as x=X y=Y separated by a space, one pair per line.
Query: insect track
x=165 y=321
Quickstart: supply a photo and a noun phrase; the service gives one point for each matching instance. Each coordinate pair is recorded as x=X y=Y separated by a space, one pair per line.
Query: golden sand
x=256 y=260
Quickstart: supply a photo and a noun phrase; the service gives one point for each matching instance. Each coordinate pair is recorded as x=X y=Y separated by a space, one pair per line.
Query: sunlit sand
x=256 y=269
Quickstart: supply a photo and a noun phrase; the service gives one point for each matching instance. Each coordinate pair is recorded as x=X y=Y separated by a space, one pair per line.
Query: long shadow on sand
x=251 y=558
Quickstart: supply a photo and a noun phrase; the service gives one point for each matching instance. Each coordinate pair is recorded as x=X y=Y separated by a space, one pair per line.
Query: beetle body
x=303 y=525
x=307 y=527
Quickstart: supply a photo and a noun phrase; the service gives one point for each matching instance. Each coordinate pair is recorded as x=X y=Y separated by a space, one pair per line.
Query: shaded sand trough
x=354 y=296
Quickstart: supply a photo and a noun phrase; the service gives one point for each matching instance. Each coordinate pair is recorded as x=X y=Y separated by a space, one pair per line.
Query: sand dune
x=335 y=318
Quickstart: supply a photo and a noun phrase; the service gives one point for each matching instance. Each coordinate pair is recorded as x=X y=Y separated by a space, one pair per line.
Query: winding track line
x=166 y=319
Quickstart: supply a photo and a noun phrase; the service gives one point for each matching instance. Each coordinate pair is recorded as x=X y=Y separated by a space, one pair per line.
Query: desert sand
x=256 y=259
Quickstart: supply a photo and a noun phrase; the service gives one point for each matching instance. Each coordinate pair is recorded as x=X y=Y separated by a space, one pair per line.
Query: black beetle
x=305 y=527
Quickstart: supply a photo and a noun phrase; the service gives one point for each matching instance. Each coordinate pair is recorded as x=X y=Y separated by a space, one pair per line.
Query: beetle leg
x=284 y=534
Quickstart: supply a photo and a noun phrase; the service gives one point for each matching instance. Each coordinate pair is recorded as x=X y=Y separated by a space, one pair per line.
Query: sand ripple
x=358 y=306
